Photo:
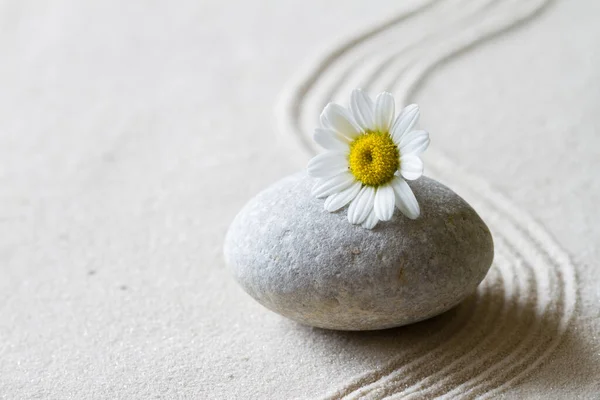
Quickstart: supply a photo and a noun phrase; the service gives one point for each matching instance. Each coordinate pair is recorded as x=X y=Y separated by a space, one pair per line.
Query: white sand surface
x=132 y=132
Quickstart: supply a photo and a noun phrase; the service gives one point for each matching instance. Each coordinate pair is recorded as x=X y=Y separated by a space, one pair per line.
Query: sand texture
x=132 y=133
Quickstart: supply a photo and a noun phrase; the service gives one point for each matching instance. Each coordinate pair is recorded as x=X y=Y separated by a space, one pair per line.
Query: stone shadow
x=486 y=341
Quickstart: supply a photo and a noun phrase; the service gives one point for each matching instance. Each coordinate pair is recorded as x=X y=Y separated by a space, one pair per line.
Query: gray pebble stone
x=316 y=268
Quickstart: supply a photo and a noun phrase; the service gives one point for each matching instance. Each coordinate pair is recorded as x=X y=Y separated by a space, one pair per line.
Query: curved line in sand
x=505 y=271
x=550 y=258
x=484 y=308
x=414 y=73
x=467 y=349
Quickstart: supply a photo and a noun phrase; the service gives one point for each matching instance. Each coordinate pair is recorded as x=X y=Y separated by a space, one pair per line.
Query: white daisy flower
x=368 y=159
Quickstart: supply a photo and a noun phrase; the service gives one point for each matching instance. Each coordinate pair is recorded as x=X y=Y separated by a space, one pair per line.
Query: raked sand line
x=289 y=108
x=453 y=368
x=485 y=317
x=421 y=360
x=534 y=343
x=560 y=293
x=409 y=365
x=485 y=26
x=468 y=310
x=393 y=59
x=345 y=73
x=412 y=356
x=502 y=340
x=506 y=333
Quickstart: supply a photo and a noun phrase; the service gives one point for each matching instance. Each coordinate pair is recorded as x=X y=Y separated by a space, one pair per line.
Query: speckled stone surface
x=314 y=267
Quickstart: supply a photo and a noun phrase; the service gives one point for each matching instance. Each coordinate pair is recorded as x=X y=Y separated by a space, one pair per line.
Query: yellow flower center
x=373 y=158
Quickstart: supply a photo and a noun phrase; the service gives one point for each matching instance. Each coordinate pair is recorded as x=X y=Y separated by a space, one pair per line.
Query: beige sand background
x=132 y=132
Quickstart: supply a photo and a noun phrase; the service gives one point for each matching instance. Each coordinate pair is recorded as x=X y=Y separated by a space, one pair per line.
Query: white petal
x=339 y=119
x=414 y=142
x=331 y=140
x=405 y=198
x=329 y=186
x=362 y=205
x=327 y=164
x=324 y=122
x=384 y=111
x=339 y=200
x=411 y=167
x=362 y=108
x=405 y=122
x=371 y=221
x=384 y=203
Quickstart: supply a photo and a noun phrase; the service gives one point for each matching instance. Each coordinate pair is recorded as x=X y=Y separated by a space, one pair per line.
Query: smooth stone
x=314 y=267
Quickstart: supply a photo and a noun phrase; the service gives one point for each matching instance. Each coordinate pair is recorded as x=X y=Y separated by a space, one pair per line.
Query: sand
x=131 y=133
